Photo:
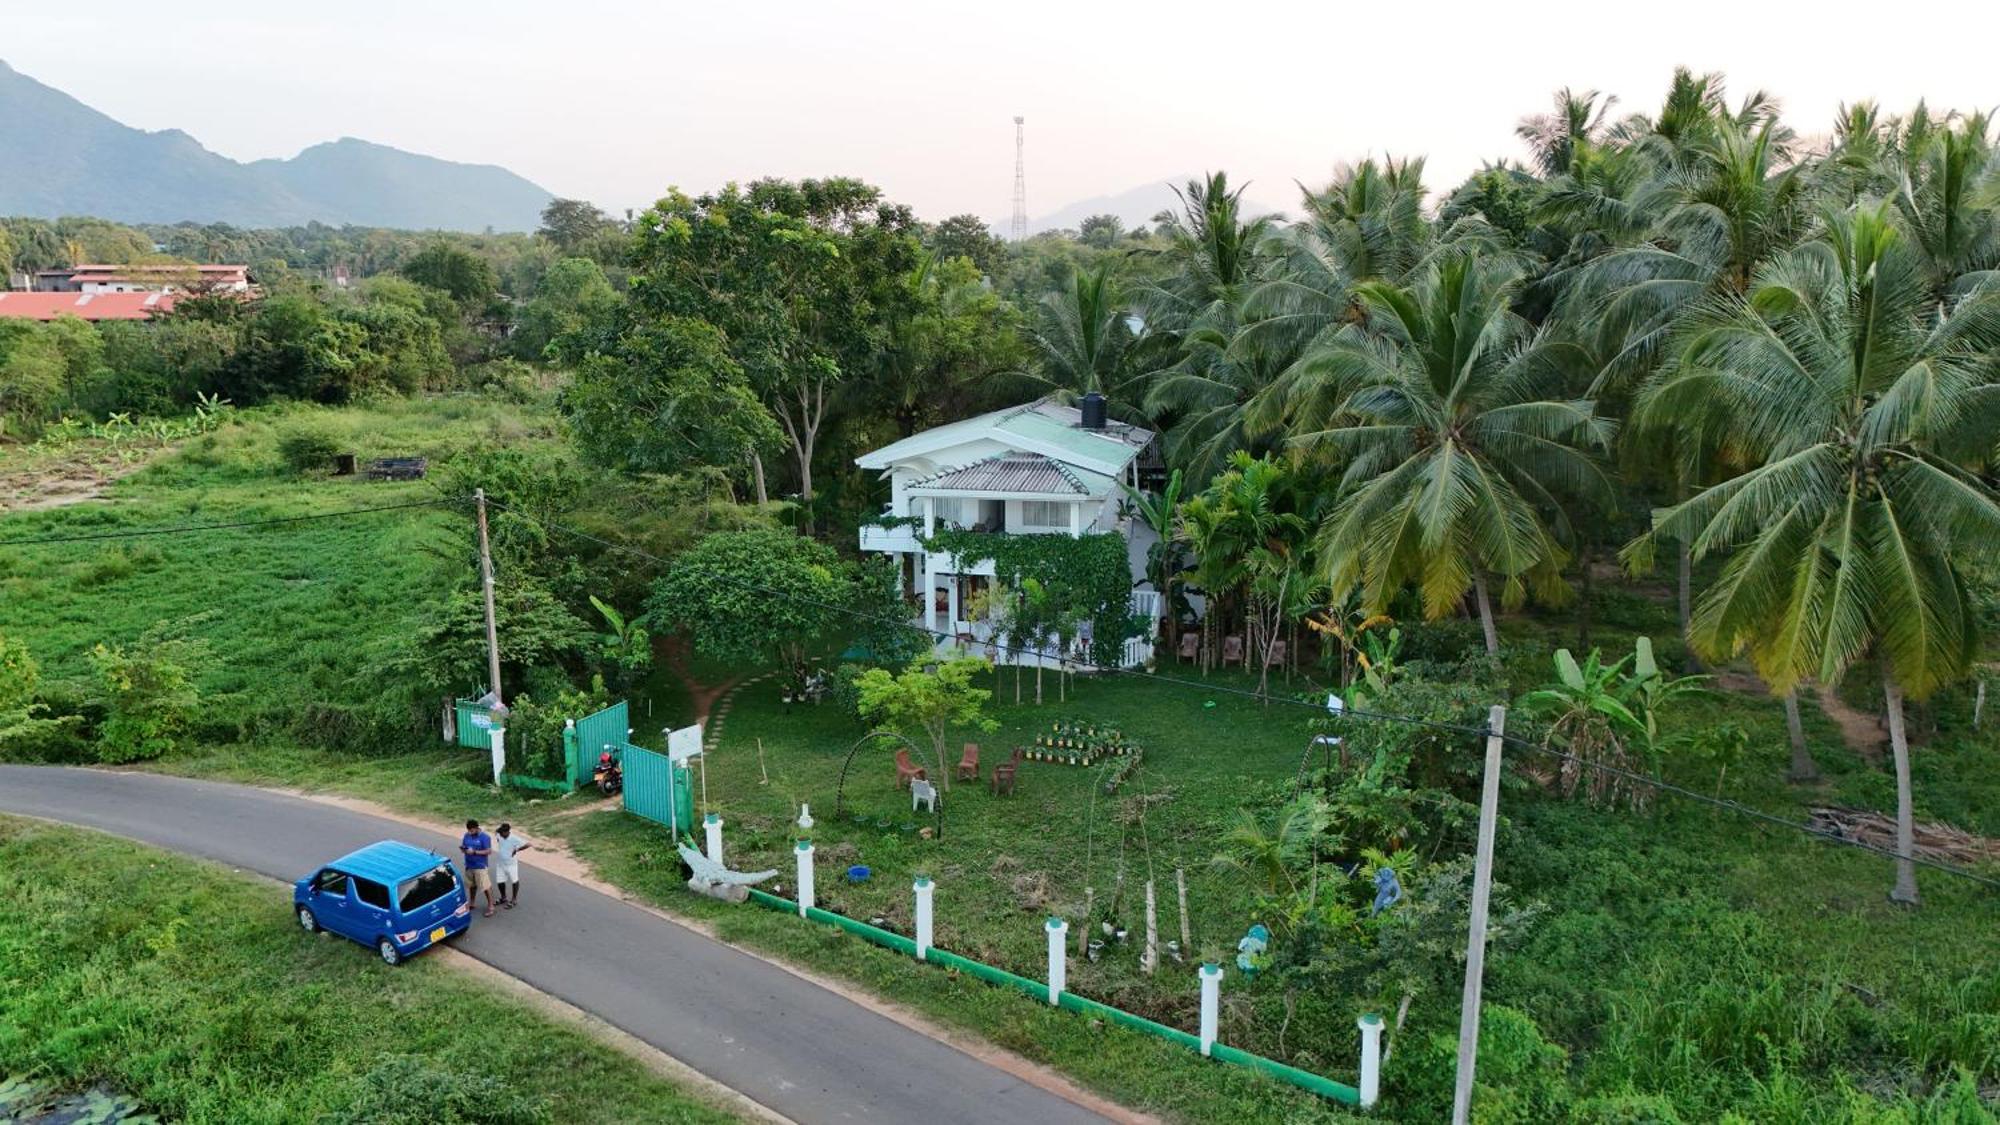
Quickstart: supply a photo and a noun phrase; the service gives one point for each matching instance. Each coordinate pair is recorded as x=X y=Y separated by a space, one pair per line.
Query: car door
x=370 y=907
x=329 y=902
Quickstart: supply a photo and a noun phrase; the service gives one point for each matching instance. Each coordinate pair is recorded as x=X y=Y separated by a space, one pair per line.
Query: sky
x=617 y=102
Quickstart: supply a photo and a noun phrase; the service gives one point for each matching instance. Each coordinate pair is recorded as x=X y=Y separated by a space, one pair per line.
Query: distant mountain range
x=60 y=157
x=1133 y=207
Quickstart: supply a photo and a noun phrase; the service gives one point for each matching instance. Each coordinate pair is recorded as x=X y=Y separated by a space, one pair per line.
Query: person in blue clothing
x=477 y=848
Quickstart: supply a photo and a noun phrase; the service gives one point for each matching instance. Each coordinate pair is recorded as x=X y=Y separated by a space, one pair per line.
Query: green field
x=191 y=991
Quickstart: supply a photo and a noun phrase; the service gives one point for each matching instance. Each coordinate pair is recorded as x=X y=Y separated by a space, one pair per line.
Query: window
x=331 y=882
x=425 y=889
x=372 y=893
x=1044 y=513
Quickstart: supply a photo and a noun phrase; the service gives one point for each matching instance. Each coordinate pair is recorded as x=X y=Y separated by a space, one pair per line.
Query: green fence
x=657 y=789
x=593 y=735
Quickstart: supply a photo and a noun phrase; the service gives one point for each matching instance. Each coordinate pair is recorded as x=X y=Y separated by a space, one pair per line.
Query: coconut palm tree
x=1082 y=337
x=1459 y=460
x=1555 y=137
x=1849 y=538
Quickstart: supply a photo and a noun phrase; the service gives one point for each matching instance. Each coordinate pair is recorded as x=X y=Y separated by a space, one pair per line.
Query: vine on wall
x=1089 y=574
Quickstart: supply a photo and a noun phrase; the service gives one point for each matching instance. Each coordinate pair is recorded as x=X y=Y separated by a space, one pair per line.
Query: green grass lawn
x=190 y=990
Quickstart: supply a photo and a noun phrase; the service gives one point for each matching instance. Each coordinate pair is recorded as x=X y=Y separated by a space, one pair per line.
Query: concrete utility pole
x=486 y=580
x=1475 y=939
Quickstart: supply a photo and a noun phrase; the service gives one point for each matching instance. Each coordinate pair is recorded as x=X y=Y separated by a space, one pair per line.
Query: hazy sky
x=614 y=102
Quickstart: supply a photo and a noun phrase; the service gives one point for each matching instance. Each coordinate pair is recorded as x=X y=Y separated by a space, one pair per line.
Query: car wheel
x=387 y=949
x=307 y=922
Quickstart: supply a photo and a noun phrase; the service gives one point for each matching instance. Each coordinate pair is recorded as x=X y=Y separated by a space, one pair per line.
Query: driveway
x=805 y=1052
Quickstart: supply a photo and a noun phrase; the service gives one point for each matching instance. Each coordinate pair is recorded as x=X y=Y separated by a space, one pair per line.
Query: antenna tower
x=1020 y=179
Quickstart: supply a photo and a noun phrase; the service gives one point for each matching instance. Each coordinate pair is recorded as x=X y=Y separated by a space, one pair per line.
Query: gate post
x=805 y=855
x=1058 y=967
x=1371 y=1058
x=712 y=827
x=923 y=886
x=1211 y=1004
x=499 y=734
x=569 y=753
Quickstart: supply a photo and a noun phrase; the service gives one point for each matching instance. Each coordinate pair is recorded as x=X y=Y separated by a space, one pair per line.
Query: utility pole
x=1475 y=939
x=1019 y=227
x=486 y=580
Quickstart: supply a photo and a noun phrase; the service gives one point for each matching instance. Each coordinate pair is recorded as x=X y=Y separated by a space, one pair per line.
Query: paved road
x=805 y=1052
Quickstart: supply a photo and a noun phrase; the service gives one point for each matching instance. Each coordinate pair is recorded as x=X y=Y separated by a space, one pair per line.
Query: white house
x=1038 y=469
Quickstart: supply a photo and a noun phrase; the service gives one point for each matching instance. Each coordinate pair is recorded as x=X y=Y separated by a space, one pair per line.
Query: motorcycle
x=609 y=775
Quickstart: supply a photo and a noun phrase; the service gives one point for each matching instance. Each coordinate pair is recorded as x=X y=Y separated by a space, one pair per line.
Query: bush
x=149 y=700
x=307 y=450
x=407 y=1089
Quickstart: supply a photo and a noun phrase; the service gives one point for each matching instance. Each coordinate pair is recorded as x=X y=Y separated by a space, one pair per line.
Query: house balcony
x=901 y=538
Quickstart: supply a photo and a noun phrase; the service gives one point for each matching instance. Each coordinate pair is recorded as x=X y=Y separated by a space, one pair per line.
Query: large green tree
x=1851 y=537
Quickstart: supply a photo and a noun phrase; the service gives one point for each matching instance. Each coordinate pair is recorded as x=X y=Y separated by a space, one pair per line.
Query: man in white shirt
x=507 y=848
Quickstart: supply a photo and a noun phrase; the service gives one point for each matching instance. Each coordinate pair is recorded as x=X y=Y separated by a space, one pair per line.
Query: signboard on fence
x=683 y=744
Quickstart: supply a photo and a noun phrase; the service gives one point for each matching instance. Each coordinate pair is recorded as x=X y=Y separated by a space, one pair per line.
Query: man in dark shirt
x=477 y=847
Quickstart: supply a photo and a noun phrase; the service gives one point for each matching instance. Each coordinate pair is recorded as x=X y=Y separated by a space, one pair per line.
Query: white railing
x=1148 y=604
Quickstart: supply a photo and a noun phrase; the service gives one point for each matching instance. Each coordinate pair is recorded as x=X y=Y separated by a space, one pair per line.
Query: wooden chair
x=1003 y=774
x=906 y=770
x=1232 y=650
x=1190 y=646
x=968 y=763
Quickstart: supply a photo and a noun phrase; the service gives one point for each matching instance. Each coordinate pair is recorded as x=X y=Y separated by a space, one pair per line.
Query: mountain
x=1133 y=206
x=60 y=157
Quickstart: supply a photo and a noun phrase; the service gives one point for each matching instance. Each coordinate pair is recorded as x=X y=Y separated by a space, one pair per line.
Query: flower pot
x=1095 y=949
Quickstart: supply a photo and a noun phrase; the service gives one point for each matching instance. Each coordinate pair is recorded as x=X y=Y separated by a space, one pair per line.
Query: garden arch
x=916 y=754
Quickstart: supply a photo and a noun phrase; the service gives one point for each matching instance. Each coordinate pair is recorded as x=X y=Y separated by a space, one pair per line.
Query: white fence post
x=499 y=741
x=712 y=826
x=805 y=854
x=1211 y=1004
x=1371 y=1058
x=1058 y=967
x=923 y=886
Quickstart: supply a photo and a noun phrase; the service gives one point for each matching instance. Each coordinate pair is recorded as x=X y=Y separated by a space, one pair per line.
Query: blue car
x=394 y=897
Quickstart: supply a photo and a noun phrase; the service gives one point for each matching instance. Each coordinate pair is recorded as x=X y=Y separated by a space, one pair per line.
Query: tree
x=149 y=698
x=1166 y=559
x=1554 y=138
x=749 y=595
x=928 y=696
x=965 y=236
x=799 y=279
x=571 y=223
x=573 y=297
x=1081 y=337
x=1852 y=535
x=942 y=346
x=469 y=278
x=1101 y=231
x=1457 y=459
x=669 y=396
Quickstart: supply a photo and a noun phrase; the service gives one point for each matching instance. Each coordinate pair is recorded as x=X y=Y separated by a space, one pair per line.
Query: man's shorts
x=479 y=879
x=509 y=873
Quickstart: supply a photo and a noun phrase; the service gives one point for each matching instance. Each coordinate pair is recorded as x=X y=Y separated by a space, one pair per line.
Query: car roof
x=389 y=861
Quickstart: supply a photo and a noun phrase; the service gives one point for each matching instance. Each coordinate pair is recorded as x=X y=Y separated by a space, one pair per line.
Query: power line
x=1357 y=713
x=183 y=529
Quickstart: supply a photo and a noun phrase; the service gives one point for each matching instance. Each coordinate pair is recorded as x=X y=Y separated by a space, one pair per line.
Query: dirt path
x=76 y=479
x=1861 y=731
x=678 y=654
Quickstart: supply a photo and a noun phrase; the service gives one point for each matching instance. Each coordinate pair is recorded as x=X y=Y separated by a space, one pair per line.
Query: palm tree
x=1458 y=463
x=1166 y=559
x=1850 y=537
x=1554 y=138
x=1082 y=336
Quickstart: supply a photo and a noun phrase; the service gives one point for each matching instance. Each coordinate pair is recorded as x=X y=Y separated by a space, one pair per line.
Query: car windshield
x=425 y=889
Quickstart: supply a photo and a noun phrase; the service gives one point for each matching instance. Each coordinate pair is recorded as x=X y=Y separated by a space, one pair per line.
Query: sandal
x=508 y=904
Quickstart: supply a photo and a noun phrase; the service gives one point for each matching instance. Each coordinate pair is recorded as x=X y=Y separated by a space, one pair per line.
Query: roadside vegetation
x=190 y=993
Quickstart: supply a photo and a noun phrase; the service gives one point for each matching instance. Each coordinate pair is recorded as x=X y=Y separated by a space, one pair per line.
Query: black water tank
x=1093 y=411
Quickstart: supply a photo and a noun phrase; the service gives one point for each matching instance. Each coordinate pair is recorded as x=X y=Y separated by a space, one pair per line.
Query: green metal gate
x=657 y=789
x=593 y=735
x=474 y=724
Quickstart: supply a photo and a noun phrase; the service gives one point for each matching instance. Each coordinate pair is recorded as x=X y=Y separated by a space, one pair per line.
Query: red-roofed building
x=88 y=306
x=143 y=279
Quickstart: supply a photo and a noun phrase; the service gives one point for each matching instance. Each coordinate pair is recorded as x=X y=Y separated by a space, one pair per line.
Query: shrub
x=149 y=699
x=307 y=449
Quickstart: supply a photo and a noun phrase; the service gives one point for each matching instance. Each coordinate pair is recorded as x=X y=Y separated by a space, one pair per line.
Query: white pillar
x=1075 y=521
x=1211 y=1004
x=805 y=854
x=951 y=605
x=930 y=516
x=712 y=825
x=923 y=886
x=1371 y=1058
x=930 y=594
x=1058 y=967
x=499 y=741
